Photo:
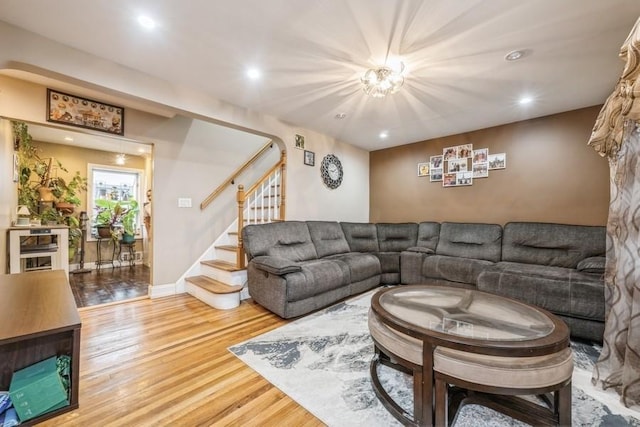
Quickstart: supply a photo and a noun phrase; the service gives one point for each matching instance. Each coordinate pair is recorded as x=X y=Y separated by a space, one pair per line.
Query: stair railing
x=232 y=178
x=263 y=202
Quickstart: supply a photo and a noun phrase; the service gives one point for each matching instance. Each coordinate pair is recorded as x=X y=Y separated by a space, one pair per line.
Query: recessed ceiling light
x=340 y=116
x=525 y=100
x=514 y=55
x=146 y=22
x=254 y=73
x=384 y=134
x=68 y=138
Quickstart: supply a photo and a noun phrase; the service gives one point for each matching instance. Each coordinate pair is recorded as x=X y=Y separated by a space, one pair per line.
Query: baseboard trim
x=159 y=291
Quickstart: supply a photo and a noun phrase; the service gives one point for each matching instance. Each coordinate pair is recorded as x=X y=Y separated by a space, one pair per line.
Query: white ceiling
x=313 y=52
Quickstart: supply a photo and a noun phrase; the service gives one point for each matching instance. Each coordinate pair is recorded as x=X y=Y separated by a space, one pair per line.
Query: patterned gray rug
x=322 y=362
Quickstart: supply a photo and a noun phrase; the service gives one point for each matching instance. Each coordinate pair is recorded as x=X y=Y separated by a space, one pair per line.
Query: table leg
x=426 y=415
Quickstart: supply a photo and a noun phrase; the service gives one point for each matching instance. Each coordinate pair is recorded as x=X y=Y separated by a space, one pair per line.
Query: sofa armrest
x=421 y=249
x=275 y=265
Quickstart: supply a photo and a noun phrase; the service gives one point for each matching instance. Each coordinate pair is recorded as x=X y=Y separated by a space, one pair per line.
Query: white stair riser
x=219 y=301
x=226 y=255
x=228 y=277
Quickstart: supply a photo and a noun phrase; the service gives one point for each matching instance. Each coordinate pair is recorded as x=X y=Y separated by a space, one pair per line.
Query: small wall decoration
x=480 y=155
x=309 y=158
x=457 y=165
x=299 y=142
x=497 y=161
x=436 y=175
x=465 y=151
x=423 y=169
x=449 y=153
x=15 y=167
x=436 y=162
x=481 y=170
x=449 y=179
x=85 y=113
x=464 y=178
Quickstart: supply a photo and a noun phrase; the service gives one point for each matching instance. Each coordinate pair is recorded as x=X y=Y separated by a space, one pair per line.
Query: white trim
x=159 y=291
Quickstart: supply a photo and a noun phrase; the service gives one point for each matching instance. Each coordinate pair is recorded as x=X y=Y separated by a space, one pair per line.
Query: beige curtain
x=616 y=135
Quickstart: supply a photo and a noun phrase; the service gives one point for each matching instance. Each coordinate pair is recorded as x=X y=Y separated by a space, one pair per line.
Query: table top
x=36 y=303
x=469 y=317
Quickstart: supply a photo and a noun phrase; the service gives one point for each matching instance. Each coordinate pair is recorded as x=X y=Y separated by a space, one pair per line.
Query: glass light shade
x=382 y=81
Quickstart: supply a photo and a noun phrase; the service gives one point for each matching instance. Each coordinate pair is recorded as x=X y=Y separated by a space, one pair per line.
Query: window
x=114 y=183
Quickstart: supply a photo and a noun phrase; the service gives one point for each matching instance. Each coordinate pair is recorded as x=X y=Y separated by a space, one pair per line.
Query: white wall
x=179 y=234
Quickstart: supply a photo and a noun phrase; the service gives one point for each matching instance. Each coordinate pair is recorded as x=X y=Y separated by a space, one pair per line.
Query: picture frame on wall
x=435 y=162
x=464 y=178
x=299 y=142
x=480 y=155
x=85 y=113
x=435 y=175
x=480 y=170
x=423 y=169
x=497 y=161
x=449 y=179
x=449 y=153
x=457 y=165
x=465 y=151
x=309 y=158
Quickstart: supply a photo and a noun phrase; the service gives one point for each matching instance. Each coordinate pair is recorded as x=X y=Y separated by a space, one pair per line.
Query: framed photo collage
x=460 y=165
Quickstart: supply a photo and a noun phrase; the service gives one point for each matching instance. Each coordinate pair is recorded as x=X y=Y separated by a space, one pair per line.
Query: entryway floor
x=110 y=285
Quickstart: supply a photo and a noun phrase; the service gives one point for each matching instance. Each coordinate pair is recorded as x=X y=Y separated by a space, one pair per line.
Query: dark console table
x=38 y=319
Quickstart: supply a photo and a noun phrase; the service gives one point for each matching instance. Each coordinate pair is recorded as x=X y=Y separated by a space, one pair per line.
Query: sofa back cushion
x=328 y=238
x=396 y=237
x=466 y=240
x=362 y=237
x=428 y=235
x=558 y=245
x=289 y=240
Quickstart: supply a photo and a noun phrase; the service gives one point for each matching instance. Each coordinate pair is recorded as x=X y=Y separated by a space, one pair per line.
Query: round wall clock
x=331 y=170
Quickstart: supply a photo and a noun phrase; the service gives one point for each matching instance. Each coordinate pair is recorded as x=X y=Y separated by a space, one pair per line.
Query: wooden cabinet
x=38 y=319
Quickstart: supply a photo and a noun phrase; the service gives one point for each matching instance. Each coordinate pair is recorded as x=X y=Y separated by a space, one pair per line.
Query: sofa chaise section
x=557 y=267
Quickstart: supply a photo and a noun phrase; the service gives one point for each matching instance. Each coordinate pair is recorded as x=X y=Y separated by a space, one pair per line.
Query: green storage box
x=37 y=389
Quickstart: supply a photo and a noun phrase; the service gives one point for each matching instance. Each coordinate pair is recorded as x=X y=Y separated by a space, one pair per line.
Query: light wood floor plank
x=165 y=362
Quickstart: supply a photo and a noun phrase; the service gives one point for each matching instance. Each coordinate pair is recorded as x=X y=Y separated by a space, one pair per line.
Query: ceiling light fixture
x=525 y=100
x=120 y=159
x=340 y=116
x=146 y=22
x=380 y=82
x=514 y=55
x=254 y=73
x=384 y=134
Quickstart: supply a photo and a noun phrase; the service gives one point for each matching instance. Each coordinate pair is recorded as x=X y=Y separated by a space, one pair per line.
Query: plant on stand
x=129 y=221
x=111 y=215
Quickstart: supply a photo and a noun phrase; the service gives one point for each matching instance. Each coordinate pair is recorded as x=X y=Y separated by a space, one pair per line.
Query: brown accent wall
x=551 y=176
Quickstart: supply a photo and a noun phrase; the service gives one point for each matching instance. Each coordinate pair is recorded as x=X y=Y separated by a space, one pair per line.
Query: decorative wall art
x=423 y=169
x=460 y=165
x=85 y=113
x=497 y=161
x=309 y=158
x=299 y=142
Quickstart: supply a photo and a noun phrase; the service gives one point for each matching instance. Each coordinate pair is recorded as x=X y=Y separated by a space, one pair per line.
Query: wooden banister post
x=240 y=251
x=283 y=176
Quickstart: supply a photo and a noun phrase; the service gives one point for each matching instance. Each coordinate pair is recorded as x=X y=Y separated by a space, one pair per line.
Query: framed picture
x=449 y=153
x=309 y=158
x=465 y=151
x=480 y=170
x=299 y=142
x=464 y=178
x=85 y=113
x=15 y=167
x=497 y=161
x=457 y=165
x=436 y=175
x=449 y=179
x=480 y=155
x=435 y=162
x=423 y=169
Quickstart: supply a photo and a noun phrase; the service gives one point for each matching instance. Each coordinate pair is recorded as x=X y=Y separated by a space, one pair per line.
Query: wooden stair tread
x=213 y=285
x=227 y=247
x=222 y=265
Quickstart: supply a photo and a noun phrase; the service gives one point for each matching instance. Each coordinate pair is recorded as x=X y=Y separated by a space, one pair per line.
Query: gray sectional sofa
x=296 y=267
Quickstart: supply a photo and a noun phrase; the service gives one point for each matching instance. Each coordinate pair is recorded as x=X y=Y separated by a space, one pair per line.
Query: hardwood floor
x=165 y=362
x=110 y=285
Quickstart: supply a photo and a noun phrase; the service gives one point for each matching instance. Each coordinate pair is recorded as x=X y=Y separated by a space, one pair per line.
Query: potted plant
x=129 y=221
x=66 y=193
x=112 y=214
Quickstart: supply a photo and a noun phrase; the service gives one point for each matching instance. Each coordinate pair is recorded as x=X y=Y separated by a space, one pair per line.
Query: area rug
x=322 y=362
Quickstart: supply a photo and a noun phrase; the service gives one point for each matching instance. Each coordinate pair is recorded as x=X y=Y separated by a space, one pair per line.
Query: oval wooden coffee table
x=408 y=322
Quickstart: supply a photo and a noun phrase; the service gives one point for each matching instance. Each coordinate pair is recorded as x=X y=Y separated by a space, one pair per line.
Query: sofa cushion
x=316 y=277
x=428 y=235
x=277 y=266
x=396 y=237
x=361 y=266
x=560 y=290
x=557 y=245
x=454 y=269
x=328 y=238
x=475 y=241
x=362 y=237
x=288 y=239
